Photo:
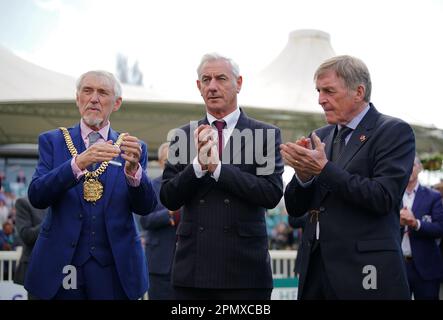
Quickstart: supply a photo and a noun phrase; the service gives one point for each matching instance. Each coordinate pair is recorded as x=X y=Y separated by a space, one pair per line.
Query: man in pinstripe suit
x=225 y=189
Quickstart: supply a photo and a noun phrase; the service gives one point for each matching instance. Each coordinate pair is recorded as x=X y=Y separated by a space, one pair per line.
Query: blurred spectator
x=281 y=238
x=28 y=226
x=160 y=226
x=8 y=239
x=21 y=177
x=422 y=220
x=4 y=210
x=2 y=179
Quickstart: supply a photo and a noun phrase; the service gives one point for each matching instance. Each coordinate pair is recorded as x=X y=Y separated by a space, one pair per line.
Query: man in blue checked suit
x=88 y=246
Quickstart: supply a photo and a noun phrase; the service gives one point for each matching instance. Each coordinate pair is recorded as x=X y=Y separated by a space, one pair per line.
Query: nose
x=95 y=97
x=321 y=98
x=213 y=85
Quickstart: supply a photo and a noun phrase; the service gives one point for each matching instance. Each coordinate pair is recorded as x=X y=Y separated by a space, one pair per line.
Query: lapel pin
x=362 y=138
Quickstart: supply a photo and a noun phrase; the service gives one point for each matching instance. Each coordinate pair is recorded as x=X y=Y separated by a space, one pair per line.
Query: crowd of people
x=363 y=226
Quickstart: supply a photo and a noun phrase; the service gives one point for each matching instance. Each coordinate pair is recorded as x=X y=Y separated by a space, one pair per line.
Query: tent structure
x=34 y=99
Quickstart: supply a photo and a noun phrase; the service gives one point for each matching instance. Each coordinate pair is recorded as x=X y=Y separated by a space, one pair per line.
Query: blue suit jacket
x=222 y=238
x=160 y=236
x=427 y=208
x=357 y=200
x=55 y=186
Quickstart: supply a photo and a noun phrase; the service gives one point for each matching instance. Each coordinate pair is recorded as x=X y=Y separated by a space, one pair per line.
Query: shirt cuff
x=216 y=173
x=418 y=225
x=134 y=181
x=78 y=173
x=304 y=184
x=198 y=169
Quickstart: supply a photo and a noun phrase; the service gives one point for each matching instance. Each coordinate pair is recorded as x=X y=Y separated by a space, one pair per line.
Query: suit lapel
x=417 y=202
x=242 y=123
x=359 y=137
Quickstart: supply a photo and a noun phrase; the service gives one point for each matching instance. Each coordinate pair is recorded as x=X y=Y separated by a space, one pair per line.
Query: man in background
x=160 y=226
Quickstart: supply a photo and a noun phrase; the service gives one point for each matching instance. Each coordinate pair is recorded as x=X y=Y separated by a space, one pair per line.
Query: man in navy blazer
x=88 y=247
x=160 y=228
x=422 y=221
x=224 y=189
x=350 y=176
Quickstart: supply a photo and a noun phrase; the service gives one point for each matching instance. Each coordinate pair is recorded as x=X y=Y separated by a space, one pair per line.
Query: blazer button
x=80 y=216
x=73 y=244
x=201 y=229
x=225 y=229
x=202 y=201
x=226 y=201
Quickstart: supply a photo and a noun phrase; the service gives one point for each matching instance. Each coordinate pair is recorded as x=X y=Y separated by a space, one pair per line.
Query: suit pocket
x=257 y=229
x=376 y=245
x=184 y=229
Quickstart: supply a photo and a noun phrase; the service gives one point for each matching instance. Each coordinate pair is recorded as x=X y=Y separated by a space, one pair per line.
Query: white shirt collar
x=231 y=119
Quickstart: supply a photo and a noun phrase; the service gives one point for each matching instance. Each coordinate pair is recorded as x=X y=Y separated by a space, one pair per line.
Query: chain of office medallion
x=73 y=151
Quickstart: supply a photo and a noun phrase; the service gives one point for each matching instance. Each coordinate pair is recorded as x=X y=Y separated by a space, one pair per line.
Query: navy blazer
x=55 y=186
x=357 y=200
x=160 y=236
x=222 y=238
x=427 y=208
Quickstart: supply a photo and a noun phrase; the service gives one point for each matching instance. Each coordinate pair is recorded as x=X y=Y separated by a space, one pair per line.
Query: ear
x=117 y=104
x=360 y=93
x=239 y=83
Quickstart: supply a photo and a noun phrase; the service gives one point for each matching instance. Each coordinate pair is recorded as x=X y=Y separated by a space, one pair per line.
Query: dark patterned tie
x=93 y=137
x=220 y=124
x=339 y=142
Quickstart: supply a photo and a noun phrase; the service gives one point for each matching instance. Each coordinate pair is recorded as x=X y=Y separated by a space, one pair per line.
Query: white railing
x=283 y=263
x=9 y=261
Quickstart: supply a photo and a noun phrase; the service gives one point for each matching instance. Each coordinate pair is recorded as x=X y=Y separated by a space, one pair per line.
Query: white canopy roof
x=287 y=83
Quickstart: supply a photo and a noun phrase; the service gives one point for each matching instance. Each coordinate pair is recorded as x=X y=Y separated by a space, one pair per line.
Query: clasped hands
x=407 y=218
x=306 y=160
x=206 y=144
x=130 y=150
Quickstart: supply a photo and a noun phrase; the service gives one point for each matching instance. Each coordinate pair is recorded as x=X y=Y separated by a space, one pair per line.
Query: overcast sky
x=401 y=41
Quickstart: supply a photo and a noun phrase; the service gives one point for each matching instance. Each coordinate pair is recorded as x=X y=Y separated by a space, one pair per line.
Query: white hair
x=100 y=73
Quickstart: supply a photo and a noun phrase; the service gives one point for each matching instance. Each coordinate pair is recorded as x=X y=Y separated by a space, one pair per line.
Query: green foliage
x=432 y=162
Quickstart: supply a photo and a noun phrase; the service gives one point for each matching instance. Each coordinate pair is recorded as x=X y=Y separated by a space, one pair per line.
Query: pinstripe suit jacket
x=222 y=239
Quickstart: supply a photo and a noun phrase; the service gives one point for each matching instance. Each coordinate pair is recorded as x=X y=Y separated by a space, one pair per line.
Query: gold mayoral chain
x=92 y=187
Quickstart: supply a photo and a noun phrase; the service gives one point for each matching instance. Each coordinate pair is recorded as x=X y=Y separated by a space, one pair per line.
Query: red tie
x=220 y=124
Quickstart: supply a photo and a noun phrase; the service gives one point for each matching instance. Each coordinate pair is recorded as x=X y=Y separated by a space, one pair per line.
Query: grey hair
x=161 y=148
x=216 y=56
x=352 y=70
x=100 y=73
